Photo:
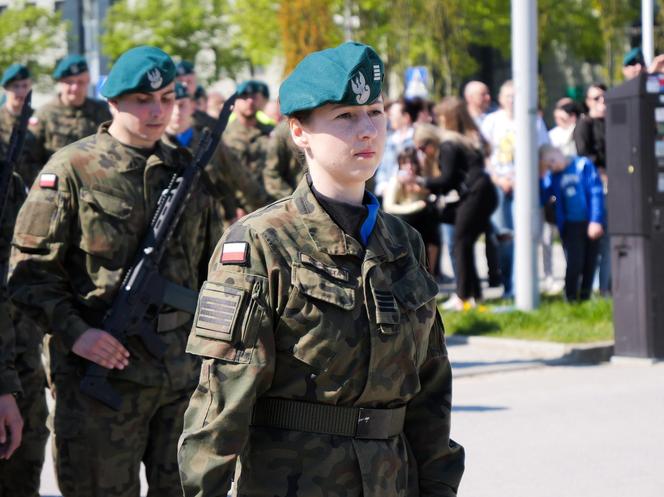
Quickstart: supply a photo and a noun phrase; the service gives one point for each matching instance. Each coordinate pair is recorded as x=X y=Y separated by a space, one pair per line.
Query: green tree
x=180 y=27
x=27 y=32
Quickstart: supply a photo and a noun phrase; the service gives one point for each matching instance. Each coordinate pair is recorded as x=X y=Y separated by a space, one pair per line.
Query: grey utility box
x=635 y=166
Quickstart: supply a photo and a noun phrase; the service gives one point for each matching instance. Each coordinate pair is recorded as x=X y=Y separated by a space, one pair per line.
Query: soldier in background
x=186 y=75
x=75 y=237
x=71 y=115
x=17 y=82
x=246 y=136
x=235 y=190
x=285 y=165
x=325 y=369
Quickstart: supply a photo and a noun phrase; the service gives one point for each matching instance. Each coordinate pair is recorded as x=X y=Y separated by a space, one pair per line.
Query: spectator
x=215 y=103
x=409 y=202
x=565 y=114
x=461 y=157
x=580 y=213
x=478 y=100
x=589 y=136
x=499 y=130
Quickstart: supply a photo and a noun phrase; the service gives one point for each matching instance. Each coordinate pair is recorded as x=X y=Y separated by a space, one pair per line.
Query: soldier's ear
x=298 y=133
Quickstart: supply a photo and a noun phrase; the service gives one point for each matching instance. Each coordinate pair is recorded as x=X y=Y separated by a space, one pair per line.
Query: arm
x=583 y=138
x=595 y=193
x=276 y=174
x=392 y=204
x=216 y=423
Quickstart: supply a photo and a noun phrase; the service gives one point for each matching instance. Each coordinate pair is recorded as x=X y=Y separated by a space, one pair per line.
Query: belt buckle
x=364 y=424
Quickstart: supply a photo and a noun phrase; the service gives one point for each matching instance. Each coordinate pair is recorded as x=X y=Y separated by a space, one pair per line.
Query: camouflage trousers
x=20 y=475
x=98 y=451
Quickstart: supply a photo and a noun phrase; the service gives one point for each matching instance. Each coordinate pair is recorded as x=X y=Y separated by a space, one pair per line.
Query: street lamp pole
x=526 y=191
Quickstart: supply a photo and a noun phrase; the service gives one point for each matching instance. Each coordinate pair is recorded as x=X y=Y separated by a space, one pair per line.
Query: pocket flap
x=109 y=204
x=415 y=289
x=322 y=287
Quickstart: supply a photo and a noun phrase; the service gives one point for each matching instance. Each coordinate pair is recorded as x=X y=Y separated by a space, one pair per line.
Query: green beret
x=200 y=92
x=15 y=72
x=71 y=65
x=181 y=91
x=634 y=56
x=252 y=86
x=350 y=74
x=184 y=67
x=139 y=70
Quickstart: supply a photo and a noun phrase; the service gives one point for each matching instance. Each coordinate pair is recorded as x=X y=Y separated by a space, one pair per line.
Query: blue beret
x=71 y=65
x=181 y=91
x=139 y=70
x=184 y=67
x=252 y=86
x=350 y=74
x=634 y=56
x=15 y=72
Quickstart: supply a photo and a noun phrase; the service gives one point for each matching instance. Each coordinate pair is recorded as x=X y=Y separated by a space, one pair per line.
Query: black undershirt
x=349 y=217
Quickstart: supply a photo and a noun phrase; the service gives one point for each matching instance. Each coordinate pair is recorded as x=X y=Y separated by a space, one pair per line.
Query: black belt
x=355 y=422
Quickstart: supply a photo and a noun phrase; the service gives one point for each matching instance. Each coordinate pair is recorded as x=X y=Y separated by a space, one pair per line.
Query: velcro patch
x=217 y=312
x=48 y=180
x=235 y=253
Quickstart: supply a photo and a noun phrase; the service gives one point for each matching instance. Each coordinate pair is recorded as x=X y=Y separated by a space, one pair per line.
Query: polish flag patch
x=48 y=180
x=235 y=253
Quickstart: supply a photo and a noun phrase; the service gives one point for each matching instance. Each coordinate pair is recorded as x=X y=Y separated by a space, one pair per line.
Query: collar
x=330 y=239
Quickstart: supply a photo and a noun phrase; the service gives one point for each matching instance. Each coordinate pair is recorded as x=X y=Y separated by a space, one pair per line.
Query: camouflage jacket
x=228 y=177
x=306 y=313
x=79 y=231
x=284 y=166
x=249 y=145
x=56 y=125
x=10 y=344
x=29 y=166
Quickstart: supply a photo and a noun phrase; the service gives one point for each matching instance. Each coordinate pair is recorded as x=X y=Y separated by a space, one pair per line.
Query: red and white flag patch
x=235 y=253
x=33 y=121
x=48 y=180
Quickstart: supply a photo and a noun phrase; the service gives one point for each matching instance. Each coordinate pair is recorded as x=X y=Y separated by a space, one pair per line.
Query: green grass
x=555 y=321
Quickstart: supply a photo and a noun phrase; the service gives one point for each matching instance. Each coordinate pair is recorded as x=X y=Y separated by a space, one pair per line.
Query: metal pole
x=526 y=192
x=647 y=37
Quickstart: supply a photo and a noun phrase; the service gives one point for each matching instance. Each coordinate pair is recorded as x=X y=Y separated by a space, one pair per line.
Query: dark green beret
x=139 y=70
x=184 y=67
x=15 y=72
x=200 y=92
x=350 y=74
x=252 y=86
x=181 y=91
x=71 y=65
x=634 y=56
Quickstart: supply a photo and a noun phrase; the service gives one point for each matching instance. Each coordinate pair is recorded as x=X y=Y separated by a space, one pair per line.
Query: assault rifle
x=14 y=149
x=143 y=289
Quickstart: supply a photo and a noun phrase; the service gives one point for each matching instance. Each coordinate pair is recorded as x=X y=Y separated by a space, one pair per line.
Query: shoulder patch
x=235 y=253
x=48 y=180
x=217 y=312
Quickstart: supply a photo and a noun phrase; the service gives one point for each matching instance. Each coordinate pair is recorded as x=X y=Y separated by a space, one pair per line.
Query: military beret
x=350 y=74
x=200 y=92
x=634 y=56
x=139 y=70
x=252 y=86
x=184 y=67
x=71 y=65
x=15 y=72
x=181 y=91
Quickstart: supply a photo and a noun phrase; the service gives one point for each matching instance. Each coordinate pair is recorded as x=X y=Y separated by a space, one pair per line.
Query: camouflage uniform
x=229 y=183
x=56 y=125
x=74 y=238
x=249 y=145
x=201 y=120
x=21 y=371
x=29 y=166
x=306 y=313
x=285 y=165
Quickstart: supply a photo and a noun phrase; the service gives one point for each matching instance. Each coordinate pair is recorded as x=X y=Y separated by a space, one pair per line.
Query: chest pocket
x=104 y=224
x=406 y=308
x=318 y=309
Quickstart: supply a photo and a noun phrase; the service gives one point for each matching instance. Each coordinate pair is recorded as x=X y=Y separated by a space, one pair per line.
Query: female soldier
x=325 y=366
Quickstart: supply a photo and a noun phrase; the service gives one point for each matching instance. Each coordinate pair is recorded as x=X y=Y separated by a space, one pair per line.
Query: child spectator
x=579 y=194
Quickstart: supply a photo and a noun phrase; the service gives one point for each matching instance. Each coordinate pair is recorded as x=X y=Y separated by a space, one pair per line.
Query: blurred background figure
x=215 y=102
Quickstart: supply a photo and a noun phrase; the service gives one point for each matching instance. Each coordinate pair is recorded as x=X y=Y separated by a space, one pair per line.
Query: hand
x=101 y=348
x=657 y=64
x=595 y=231
x=506 y=185
x=11 y=426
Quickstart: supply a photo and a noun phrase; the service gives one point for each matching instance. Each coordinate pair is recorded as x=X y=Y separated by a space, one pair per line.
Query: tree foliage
x=27 y=33
x=180 y=27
